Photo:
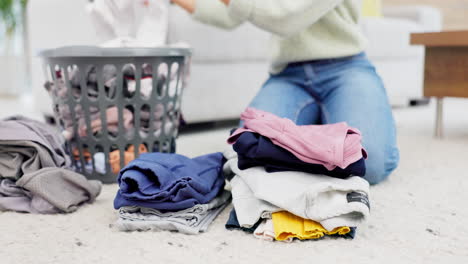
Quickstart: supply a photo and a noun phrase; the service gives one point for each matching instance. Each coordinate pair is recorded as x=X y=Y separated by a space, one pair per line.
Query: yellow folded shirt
x=287 y=225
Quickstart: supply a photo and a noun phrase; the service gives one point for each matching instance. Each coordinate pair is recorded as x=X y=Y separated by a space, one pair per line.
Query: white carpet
x=418 y=216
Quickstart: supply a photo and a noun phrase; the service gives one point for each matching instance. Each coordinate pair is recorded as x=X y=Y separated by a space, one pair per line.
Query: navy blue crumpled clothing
x=350 y=235
x=170 y=182
x=254 y=150
x=233 y=224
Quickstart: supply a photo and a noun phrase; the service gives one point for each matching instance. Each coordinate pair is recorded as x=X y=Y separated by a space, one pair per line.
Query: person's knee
x=378 y=169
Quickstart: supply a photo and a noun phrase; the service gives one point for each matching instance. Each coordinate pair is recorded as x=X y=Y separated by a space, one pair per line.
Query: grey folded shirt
x=189 y=221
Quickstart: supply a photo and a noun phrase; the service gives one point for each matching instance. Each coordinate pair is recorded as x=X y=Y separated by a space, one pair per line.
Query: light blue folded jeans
x=336 y=90
x=189 y=221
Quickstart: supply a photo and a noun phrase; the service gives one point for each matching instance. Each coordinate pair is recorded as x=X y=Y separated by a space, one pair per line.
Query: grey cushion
x=390 y=37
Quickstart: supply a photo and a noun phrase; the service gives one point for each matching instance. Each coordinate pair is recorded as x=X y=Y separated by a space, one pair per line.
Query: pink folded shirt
x=331 y=145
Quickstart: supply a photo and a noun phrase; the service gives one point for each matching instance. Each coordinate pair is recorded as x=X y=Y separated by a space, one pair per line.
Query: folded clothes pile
x=34 y=170
x=161 y=191
x=290 y=181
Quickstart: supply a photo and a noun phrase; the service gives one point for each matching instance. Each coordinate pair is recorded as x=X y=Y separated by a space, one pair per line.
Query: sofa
x=228 y=68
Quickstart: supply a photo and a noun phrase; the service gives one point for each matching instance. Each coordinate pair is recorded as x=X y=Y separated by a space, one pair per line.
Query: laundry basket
x=114 y=103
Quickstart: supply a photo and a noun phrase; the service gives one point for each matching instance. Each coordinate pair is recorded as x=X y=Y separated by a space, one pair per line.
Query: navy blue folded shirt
x=254 y=150
x=170 y=182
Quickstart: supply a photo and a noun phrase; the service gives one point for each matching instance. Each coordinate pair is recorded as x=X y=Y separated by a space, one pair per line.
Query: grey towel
x=33 y=154
x=21 y=157
x=15 y=198
x=62 y=188
x=27 y=145
x=20 y=128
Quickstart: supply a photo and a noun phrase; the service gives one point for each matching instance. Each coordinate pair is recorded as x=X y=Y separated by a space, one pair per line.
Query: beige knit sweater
x=301 y=29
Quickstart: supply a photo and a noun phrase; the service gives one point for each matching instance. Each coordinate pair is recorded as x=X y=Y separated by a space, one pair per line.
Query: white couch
x=400 y=65
x=228 y=68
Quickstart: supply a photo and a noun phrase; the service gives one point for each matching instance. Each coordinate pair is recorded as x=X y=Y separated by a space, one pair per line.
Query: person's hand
x=188 y=5
x=226 y=2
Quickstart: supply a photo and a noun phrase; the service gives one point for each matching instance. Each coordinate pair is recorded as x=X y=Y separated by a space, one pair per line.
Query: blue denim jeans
x=337 y=90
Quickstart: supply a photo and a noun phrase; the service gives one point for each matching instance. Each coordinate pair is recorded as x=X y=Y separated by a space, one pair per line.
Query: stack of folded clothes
x=161 y=191
x=296 y=182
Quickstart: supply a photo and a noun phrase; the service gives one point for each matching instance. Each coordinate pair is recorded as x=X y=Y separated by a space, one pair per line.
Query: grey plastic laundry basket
x=169 y=68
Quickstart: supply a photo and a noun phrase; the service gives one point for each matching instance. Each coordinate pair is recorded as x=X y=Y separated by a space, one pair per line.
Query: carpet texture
x=418 y=215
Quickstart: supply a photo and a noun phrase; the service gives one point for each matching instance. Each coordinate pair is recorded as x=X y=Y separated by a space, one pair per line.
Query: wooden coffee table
x=446 y=67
